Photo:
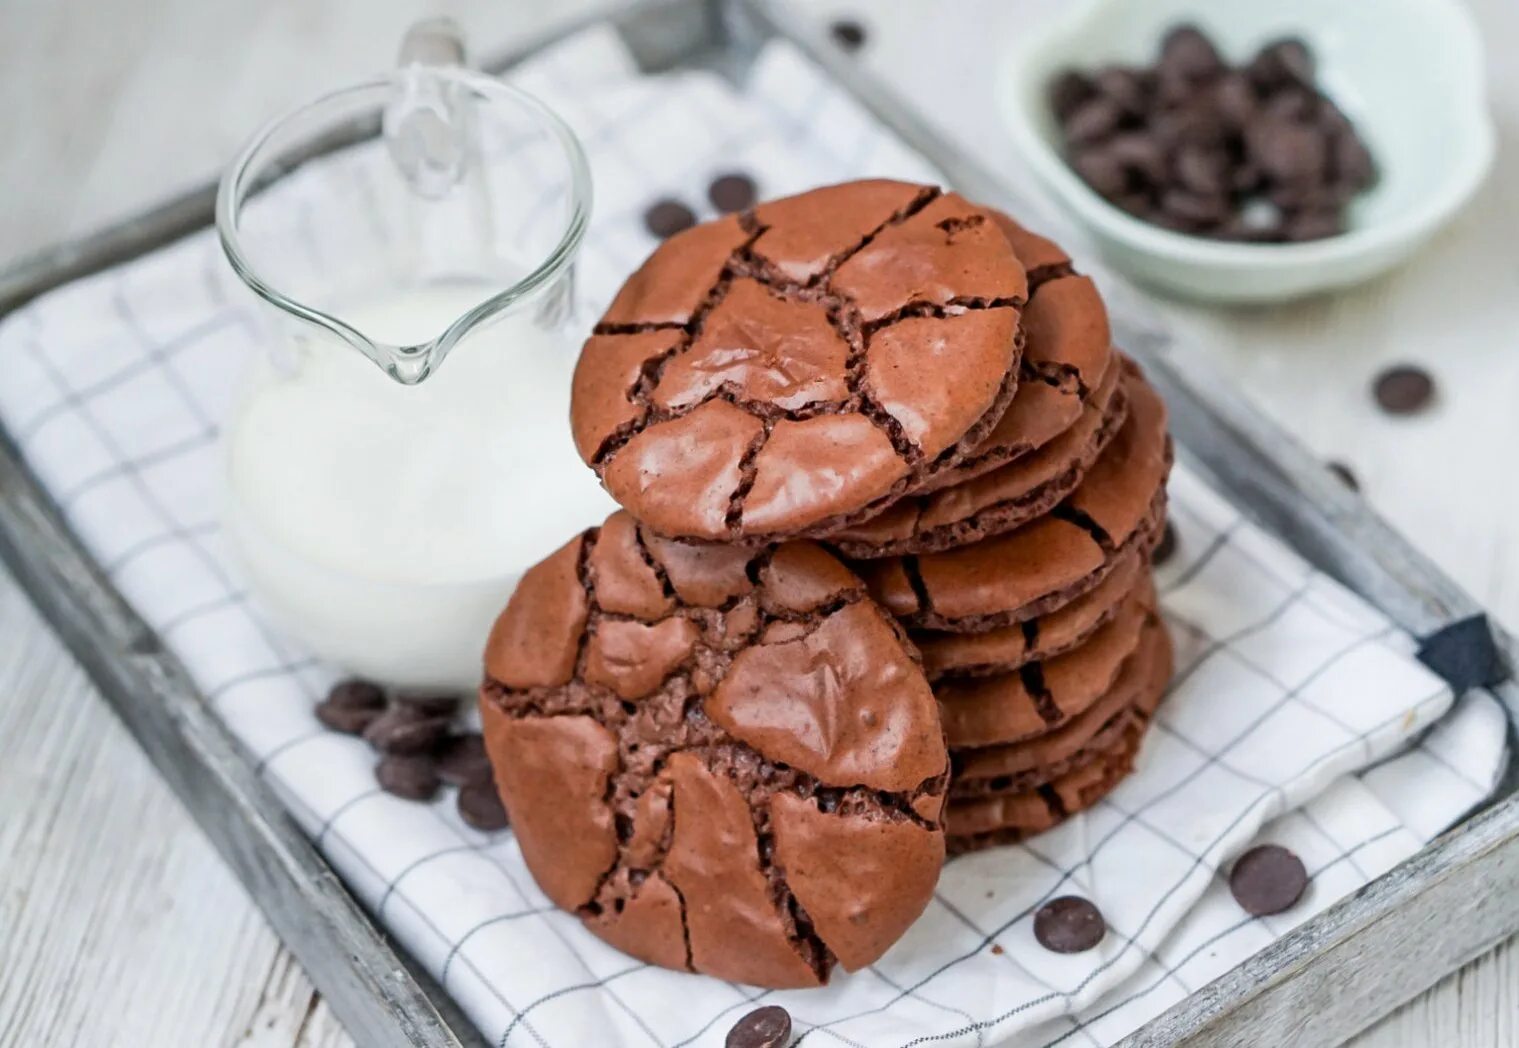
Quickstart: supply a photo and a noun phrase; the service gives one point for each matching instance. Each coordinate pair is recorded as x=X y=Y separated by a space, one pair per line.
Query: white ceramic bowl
x=1407 y=72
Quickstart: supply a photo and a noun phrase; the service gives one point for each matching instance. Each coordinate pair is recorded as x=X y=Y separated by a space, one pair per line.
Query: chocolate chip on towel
x=351 y=706
x=410 y=776
x=431 y=703
x=1267 y=879
x=462 y=760
x=480 y=806
x=665 y=218
x=1069 y=924
x=732 y=192
x=767 y=1027
x=1165 y=547
x=404 y=730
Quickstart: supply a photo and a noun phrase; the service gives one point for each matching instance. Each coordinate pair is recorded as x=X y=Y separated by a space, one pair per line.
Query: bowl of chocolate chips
x=1238 y=151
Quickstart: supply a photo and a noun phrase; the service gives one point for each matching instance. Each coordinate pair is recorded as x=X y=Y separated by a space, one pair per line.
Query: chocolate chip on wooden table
x=734 y=191
x=1069 y=924
x=412 y=776
x=462 y=760
x=665 y=218
x=480 y=806
x=1404 y=389
x=767 y=1027
x=848 y=34
x=402 y=729
x=1267 y=879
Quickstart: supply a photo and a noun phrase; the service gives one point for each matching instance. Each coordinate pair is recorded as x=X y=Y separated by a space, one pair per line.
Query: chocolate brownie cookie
x=796 y=368
x=1007 y=819
x=1044 y=565
x=723 y=760
x=1067 y=357
x=1021 y=766
x=995 y=501
x=1009 y=647
x=1043 y=696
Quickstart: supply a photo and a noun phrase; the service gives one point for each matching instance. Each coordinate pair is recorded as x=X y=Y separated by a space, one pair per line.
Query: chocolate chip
x=1234 y=97
x=1202 y=170
x=1067 y=92
x=767 y=1027
x=462 y=760
x=665 y=218
x=1404 y=390
x=480 y=806
x=1352 y=161
x=1189 y=125
x=1093 y=122
x=350 y=720
x=356 y=694
x=1124 y=87
x=402 y=729
x=1165 y=547
x=848 y=34
x=1267 y=879
x=1280 y=63
x=1287 y=151
x=1101 y=170
x=1069 y=924
x=1294 y=104
x=430 y=703
x=1194 y=209
x=411 y=776
x=1315 y=224
x=1140 y=155
x=732 y=192
x=1186 y=52
x=1347 y=477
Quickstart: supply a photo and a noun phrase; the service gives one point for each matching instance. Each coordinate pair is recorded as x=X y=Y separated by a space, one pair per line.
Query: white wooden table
x=119 y=924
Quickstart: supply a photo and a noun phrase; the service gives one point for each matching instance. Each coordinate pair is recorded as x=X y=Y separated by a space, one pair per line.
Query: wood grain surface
x=118 y=922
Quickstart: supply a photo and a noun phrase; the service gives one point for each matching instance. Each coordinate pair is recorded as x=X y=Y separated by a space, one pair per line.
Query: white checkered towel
x=1288 y=685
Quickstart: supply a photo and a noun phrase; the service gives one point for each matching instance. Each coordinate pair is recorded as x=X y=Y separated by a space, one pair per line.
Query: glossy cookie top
x=796 y=368
x=697 y=743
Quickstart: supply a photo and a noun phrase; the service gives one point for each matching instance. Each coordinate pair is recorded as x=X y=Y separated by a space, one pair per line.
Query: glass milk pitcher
x=400 y=452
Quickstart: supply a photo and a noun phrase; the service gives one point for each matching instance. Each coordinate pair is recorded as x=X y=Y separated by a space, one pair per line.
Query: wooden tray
x=1323 y=982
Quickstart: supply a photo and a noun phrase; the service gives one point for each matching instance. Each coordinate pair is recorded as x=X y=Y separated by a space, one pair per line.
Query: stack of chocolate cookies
x=880 y=588
x=1023 y=572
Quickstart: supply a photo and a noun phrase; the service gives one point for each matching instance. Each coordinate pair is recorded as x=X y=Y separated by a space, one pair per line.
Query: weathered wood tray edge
x=1320 y=984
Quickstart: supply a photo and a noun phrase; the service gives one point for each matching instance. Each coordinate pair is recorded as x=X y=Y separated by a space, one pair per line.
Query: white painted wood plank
x=118 y=922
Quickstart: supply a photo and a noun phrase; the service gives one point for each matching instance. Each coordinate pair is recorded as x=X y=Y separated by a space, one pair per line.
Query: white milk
x=384 y=525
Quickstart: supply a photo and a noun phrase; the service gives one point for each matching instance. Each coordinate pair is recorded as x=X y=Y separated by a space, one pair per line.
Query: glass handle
x=427 y=125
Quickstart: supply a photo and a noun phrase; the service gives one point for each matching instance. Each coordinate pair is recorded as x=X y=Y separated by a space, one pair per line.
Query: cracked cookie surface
x=797 y=368
x=1118 y=508
x=1067 y=357
x=723 y=760
x=998 y=500
x=1076 y=766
